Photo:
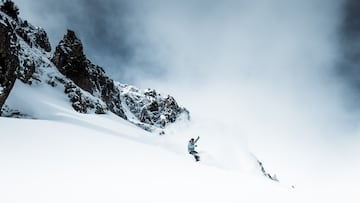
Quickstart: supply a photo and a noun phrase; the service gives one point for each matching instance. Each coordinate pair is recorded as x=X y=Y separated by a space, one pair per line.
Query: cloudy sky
x=204 y=40
x=159 y=38
x=281 y=72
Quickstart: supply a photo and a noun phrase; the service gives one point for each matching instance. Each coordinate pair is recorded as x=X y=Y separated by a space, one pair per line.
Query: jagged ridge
x=72 y=62
x=25 y=55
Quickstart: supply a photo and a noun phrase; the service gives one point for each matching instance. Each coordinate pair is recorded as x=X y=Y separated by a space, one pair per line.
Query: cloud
x=108 y=29
x=349 y=45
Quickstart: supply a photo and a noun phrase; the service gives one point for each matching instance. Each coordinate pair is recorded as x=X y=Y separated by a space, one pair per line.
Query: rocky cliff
x=25 y=56
x=9 y=61
x=71 y=61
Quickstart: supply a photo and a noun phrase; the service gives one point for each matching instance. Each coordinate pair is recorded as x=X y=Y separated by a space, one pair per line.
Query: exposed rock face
x=15 y=61
x=83 y=103
x=151 y=108
x=71 y=61
x=23 y=60
x=33 y=36
x=42 y=39
x=10 y=9
x=9 y=61
x=25 y=57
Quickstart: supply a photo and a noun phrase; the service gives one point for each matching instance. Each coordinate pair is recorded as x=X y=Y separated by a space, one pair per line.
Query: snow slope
x=64 y=156
x=52 y=161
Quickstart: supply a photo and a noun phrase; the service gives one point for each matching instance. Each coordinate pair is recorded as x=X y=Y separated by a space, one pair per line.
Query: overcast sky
x=203 y=39
x=199 y=37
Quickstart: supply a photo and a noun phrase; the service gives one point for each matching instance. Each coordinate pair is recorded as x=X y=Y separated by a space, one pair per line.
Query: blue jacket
x=191 y=146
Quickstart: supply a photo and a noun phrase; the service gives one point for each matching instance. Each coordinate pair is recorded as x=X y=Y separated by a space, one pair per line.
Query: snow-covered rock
x=150 y=107
x=71 y=61
x=25 y=56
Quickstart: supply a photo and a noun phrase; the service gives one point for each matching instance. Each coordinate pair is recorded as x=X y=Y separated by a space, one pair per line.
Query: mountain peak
x=72 y=43
x=71 y=61
x=9 y=8
x=71 y=35
x=24 y=55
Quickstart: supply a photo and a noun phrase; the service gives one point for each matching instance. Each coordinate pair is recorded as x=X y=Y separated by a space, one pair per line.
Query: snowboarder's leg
x=197 y=157
x=194 y=153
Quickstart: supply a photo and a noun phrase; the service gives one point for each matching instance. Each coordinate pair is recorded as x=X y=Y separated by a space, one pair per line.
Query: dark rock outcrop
x=83 y=103
x=10 y=9
x=34 y=36
x=271 y=177
x=152 y=108
x=42 y=39
x=9 y=61
x=23 y=61
x=71 y=61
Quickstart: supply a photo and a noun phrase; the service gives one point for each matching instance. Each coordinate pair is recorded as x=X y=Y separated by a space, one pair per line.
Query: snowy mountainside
x=25 y=57
x=74 y=157
x=50 y=86
x=81 y=145
x=36 y=70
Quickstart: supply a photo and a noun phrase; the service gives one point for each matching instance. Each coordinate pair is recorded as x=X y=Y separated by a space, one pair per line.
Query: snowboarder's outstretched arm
x=197 y=139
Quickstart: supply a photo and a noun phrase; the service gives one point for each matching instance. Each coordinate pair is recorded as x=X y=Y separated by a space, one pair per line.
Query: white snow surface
x=93 y=158
x=64 y=156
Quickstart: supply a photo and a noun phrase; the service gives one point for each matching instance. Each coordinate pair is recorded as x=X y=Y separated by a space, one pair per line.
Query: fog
x=265 y=69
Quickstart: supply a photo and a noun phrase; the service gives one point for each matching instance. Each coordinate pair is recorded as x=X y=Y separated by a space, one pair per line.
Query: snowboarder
x=191 y=148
